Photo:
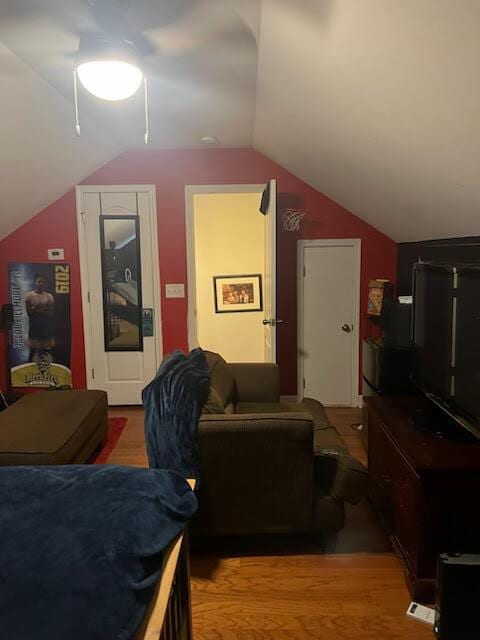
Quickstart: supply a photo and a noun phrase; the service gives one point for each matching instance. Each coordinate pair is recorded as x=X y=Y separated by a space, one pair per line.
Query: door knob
x=267 y=321
x=347 y=328
x=271 y=321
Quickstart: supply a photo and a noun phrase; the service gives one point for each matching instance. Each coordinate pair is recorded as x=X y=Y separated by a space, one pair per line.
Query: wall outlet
x=175 y=290
x=56 y=254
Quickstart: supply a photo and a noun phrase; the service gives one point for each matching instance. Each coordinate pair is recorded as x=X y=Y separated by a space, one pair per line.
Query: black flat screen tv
x=446 y=339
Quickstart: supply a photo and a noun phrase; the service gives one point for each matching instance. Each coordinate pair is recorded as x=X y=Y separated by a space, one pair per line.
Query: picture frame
x=238 y=293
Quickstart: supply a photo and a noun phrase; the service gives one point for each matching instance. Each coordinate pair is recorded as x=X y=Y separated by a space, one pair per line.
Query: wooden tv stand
x=425 y=489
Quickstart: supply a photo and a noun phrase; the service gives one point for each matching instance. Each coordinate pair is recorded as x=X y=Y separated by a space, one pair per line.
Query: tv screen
x=432 y=328
x=466 y=395
x=446 y=339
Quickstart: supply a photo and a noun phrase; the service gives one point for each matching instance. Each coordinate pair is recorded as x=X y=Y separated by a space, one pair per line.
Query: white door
x=270 y=279
x=120 y=289
x=329 y=295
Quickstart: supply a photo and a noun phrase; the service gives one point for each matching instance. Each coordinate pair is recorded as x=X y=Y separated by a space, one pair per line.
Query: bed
x=94 y=551
x=169 y=616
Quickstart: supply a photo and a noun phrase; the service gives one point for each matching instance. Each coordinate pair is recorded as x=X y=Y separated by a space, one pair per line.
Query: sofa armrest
x=256 y=382
x=340 y=475
x=257 y=473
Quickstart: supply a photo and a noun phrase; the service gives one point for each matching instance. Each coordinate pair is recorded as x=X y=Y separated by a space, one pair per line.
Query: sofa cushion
x=269 y=407
x=325 y=436
x=325 y=440
x=318 y=413
x=221 y=378
x=214 y=404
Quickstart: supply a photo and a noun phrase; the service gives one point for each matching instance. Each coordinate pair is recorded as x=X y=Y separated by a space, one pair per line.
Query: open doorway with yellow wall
x=231 y=274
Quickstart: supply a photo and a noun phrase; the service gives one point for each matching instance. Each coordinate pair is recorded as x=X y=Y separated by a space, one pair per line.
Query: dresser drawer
x=408 y=513
x=379 y=469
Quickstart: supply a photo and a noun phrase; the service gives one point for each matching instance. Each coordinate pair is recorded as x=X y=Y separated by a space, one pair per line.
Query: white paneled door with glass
x=120 y=288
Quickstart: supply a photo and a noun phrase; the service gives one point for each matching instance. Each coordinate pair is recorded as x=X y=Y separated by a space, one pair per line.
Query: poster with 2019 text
x=39 y=349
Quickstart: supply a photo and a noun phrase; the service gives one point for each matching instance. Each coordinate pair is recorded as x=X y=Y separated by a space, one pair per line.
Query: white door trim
x=190 y=192
x=357 y=261
x=80 y=192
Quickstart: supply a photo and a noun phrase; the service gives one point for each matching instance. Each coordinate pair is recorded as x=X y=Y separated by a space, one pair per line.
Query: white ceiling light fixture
x=110 y=71
x=110 y=79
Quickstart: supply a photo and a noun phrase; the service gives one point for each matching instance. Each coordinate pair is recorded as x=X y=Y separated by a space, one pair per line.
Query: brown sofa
x=268 y=466
x=53 y=427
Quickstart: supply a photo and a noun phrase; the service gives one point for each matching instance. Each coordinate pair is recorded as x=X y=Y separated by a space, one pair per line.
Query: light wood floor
x=355 y=594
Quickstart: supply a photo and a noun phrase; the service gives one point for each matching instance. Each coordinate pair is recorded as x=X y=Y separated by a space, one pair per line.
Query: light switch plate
x=56 y=254
x=175 y=290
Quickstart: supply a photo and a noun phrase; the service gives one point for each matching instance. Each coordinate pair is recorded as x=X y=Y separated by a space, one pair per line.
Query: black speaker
x=458 y=597
x=397 y=324
x=6 y=317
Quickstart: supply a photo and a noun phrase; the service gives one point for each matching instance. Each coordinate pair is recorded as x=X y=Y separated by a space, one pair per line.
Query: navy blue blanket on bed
x=173 y=402
x=81 y=548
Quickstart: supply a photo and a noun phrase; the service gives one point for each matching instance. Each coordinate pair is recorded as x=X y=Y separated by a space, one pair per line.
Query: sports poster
x=39 y=349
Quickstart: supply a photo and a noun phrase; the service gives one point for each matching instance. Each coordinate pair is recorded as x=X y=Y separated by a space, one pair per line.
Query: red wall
x=55 y=226
x=170 y=171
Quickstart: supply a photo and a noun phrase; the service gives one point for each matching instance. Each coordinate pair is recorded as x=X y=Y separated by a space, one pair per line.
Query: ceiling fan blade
x=148 y=14
x=210 y=26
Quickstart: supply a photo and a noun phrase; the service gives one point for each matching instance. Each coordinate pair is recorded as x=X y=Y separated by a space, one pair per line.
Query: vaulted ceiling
x=201 y=61
x=377 y=104
x=374 y=102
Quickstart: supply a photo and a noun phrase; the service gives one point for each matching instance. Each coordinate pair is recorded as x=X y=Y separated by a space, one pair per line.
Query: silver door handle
x=347 y=328
x=271 y=321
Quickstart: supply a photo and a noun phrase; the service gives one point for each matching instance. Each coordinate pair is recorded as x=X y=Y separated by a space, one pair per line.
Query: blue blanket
x=173 y=402
x=81 y=548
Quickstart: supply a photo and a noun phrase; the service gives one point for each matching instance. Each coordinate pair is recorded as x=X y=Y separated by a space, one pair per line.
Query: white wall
x=229 y=240
x=41 y=157
x=375 y=103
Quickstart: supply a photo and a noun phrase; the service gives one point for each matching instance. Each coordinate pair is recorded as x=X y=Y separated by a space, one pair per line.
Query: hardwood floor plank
x=356 y=594
x=130 y=449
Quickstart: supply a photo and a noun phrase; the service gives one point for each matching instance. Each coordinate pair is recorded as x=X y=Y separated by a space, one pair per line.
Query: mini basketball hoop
x=292 y=219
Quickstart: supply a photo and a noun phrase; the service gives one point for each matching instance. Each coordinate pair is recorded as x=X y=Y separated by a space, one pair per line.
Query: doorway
x=231 y=271
x=328 y=313
x=117 y=230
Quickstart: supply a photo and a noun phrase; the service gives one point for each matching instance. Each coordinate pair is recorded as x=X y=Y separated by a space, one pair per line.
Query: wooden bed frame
x=169 y=616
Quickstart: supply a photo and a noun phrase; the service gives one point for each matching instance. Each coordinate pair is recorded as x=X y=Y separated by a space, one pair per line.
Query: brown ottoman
x=53 y=427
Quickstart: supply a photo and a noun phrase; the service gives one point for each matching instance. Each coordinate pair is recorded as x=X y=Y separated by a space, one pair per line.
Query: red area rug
x=115 y=430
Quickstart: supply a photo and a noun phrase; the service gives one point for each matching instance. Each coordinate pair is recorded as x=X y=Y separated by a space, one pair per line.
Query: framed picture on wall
x=234 y=294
